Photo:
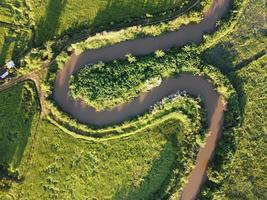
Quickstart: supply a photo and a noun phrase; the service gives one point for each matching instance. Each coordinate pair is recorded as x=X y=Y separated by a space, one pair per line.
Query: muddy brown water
x=195 y=85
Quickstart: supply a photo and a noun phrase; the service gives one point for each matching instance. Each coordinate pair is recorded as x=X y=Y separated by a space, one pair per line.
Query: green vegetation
x=173 y=63
x=239 y=170
x=17 y=110
x=26 y=24
x=106 y=85
x=246 y=41
x=59 y=16
x=150 y=156
x=242 y=150
x=153 y=162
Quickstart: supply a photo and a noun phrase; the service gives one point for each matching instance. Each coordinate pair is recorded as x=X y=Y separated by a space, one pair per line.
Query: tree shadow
x=222 y=56
x=4 y=50
x=131 y=9
x=118 y=14
x=238 y=84
x=14 y=138
x=48 y=24
x=158 y=178
x=250 y=59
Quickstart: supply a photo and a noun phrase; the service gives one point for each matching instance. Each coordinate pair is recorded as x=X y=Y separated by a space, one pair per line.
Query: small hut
x=3 y=74
x=10 y=64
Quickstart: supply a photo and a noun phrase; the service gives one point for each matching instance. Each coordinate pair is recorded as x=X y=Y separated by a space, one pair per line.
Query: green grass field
x=26 y=24
x=240 y=164
x=54 y=17
x=17 y=110
x=39 y=160
x=242 y=151
x=246 y=42
x=67 y=168
x=154 y=162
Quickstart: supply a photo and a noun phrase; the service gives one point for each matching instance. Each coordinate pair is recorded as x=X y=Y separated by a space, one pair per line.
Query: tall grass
x=18 y=107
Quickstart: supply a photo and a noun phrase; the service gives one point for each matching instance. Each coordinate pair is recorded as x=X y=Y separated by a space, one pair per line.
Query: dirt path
x=193 y=84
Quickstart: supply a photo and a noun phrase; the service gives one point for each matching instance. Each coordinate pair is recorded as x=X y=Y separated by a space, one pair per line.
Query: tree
x=130 y=58
x=159 y=53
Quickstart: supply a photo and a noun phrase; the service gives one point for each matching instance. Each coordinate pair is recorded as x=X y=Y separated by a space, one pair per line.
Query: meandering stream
x=195 y=85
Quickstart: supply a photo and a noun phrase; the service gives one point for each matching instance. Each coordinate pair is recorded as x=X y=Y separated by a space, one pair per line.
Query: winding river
x=195 y=85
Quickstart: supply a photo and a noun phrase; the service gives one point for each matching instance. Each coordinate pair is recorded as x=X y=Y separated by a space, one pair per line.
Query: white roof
x=4 y=75
x=10 y=64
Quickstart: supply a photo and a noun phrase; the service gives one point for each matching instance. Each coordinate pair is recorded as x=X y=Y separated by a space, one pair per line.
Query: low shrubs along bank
x=194 y=16
x=179 y=106
x=113 y=37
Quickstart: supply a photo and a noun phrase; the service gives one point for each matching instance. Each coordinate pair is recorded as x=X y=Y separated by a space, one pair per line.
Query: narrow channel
x=195 y=85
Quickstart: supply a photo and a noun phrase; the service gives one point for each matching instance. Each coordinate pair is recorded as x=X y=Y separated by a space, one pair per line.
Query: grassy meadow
x=19 y=115
x=246 y=42
x=40 y=161
x=26 y=24
x=50 y=164
x=17 y=109
x=66 y=168
x=239 y=170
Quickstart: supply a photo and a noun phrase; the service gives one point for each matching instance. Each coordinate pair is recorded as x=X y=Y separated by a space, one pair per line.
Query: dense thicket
x=106 y=85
